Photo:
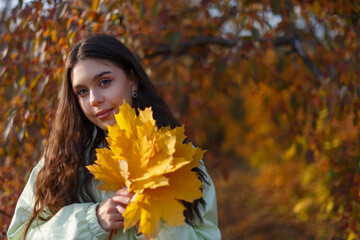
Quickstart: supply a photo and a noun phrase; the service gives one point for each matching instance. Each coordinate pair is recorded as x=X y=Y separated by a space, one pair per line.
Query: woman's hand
x=109 y=213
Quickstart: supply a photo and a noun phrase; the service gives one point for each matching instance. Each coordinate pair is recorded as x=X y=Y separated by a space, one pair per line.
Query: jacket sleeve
x=208 y=229
x=74 y=221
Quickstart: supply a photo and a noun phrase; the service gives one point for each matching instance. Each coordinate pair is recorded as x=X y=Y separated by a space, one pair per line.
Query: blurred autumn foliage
x=270 y=88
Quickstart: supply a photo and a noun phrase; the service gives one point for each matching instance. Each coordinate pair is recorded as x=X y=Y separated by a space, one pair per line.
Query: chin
x=101 y=127
x=105 y=125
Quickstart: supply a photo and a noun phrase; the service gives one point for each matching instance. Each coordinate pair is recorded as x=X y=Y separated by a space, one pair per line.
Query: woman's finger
x=117 y=224
x=109 y=216
x=122 y=191
x=121 y=209
x=122 y=199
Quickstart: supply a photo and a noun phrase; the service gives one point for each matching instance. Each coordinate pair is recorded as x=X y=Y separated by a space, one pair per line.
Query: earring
x=134 y=94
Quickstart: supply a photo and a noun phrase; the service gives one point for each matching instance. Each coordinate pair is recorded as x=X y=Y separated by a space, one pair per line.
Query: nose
x=96 y=98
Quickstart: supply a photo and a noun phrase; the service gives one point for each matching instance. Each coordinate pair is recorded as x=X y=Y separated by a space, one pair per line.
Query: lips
x=103 y=114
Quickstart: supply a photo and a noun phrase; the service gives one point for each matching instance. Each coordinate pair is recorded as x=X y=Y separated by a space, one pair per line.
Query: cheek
x=83 y=106
x=118 y=96
x=129 y=100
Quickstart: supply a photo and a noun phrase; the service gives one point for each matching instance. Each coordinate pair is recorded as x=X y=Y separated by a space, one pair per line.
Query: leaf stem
x=111 y=234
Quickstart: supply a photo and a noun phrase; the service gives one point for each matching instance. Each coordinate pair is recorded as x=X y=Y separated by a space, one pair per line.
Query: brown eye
x=104 y=82
x=81 y=92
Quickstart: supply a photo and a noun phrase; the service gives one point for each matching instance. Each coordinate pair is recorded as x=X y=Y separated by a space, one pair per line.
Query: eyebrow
x=97 y=76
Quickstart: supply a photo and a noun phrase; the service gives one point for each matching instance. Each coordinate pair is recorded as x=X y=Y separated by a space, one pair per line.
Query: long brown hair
x=72 y=133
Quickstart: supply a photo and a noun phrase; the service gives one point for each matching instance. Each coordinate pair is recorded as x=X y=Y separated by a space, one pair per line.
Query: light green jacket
x=79 y=221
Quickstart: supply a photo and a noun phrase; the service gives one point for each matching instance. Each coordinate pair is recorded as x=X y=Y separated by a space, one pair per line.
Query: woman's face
x=101 y=87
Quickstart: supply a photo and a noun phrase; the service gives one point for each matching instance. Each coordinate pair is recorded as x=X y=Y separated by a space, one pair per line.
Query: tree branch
x=182 y=48
x=165 y=49
x=4 y=213
x=310 y=64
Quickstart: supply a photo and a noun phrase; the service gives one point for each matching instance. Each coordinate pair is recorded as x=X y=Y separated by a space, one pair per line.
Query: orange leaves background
x=270 y=88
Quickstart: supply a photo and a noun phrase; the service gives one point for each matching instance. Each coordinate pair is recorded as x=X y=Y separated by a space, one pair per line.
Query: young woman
x=61 y=199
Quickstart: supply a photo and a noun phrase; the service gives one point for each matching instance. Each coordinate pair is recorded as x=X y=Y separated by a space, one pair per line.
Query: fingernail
x=118 y=208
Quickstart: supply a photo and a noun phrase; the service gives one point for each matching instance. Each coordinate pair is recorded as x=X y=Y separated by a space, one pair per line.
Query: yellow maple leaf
x=111 y=173
x=156 y=164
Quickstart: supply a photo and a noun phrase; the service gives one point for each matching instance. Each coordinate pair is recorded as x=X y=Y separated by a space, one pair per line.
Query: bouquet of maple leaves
x=154 y=163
